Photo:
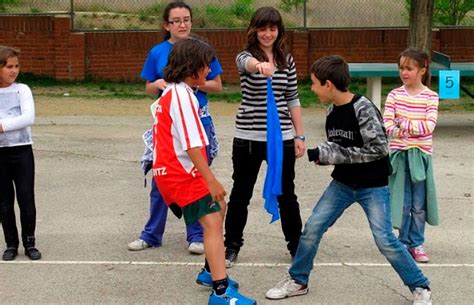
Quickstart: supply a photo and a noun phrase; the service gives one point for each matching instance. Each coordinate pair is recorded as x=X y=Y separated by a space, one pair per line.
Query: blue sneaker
x=204 y=278
x=230 y=297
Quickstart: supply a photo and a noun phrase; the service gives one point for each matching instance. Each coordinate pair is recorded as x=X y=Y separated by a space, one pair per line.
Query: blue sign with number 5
x=449 y=84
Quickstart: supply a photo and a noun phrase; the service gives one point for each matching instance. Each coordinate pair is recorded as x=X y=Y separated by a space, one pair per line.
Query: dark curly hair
x=188 y=56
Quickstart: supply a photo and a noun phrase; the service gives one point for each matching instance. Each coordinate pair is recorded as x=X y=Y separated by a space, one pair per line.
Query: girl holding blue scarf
x=264 y=56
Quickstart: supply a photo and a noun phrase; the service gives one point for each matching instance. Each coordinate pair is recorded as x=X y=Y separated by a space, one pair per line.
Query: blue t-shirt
x=154 y=67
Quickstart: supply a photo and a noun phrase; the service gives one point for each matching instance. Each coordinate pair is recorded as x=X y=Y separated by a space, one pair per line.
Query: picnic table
x=375 y=71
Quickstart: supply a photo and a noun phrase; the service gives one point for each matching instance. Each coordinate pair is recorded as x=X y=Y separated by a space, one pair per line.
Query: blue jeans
x=155 y=226
x=154 y=229
x=412 y=230
x=376 y=204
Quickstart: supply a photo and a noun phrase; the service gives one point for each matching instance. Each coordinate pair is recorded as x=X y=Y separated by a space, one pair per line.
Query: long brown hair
x=422 y=60
x=264 y=17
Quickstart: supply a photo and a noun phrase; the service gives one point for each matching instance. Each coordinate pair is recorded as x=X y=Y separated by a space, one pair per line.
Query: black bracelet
x=302 y=138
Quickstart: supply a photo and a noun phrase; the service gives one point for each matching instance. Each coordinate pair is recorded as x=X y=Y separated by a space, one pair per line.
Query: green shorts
x=193 y=211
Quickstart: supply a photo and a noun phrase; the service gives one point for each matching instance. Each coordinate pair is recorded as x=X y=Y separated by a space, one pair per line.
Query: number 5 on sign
x=449 y=84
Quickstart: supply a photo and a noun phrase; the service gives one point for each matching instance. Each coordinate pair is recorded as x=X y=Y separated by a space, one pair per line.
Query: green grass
x=87 y=89
x=93 y=89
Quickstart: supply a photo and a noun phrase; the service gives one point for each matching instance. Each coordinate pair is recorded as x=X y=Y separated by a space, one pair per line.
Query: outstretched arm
x=375 y=144
x=247 y=63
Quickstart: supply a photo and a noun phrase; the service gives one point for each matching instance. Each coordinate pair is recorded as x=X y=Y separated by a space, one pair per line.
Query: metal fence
x=220 y=14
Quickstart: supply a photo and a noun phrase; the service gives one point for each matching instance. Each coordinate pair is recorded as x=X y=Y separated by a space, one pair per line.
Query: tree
x=421 y=19
x=448 y=12
x=451 y=12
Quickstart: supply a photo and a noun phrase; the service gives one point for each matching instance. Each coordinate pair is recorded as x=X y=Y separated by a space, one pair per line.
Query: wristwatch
x=302 y=138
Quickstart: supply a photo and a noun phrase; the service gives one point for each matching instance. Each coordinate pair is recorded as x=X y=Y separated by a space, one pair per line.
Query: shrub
x=288 y=5
x=242 y=8
x=5 y=3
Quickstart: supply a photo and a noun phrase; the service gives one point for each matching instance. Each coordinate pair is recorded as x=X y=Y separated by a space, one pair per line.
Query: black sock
x=220 y=286
x=206 y=266
x=424 y=287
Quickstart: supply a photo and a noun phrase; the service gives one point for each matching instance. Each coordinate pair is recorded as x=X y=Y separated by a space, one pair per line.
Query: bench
x=375 y=71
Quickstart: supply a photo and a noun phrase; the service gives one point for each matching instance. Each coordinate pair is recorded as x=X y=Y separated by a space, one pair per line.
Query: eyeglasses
x=185 y=21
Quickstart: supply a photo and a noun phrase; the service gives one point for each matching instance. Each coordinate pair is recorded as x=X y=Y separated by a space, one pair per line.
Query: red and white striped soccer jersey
x=178 y=128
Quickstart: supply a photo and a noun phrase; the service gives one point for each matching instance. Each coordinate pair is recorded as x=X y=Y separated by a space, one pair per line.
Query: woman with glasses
x=177 y=23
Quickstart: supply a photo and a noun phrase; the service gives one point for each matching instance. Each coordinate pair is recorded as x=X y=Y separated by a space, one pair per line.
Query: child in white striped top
x=410 y=117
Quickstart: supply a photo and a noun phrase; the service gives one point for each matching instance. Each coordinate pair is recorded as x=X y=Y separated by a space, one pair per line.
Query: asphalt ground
x=91 y=202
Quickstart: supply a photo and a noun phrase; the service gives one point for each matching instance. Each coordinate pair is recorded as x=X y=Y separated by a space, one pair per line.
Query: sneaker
x=10 y=254
x=196 y=248
x=32 y=253
x=231 y=297
x=422 y=296
x=204 y=278
x=138 y=245
x=286 y=288
x=419 y=254
x=230 y=257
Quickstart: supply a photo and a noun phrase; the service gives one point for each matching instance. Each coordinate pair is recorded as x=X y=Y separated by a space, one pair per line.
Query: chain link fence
x=222 y=14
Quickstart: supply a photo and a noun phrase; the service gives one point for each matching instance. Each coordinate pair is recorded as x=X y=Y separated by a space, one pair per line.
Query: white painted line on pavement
x=20 y=262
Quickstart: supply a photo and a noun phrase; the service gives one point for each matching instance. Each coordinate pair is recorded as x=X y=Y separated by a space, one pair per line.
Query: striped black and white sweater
x=251 y=119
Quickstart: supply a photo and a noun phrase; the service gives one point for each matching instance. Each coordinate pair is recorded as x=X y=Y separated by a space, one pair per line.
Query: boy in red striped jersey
x=180 y=166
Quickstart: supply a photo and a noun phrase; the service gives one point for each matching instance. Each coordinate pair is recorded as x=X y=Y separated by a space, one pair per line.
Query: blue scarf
x=272 y=185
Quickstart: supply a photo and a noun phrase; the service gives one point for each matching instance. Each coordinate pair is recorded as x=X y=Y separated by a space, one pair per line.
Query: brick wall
x=117 y=55
x=49 y=47
x=459 y=44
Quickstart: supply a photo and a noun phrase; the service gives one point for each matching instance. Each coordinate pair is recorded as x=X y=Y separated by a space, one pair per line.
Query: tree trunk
x=421 y=18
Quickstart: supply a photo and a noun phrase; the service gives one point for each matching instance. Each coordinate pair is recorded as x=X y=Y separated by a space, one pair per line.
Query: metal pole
x=304 y=14
x=72 y=14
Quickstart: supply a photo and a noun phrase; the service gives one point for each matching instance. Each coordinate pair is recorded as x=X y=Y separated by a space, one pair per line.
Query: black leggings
x=17 y=173
x=247 y=157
